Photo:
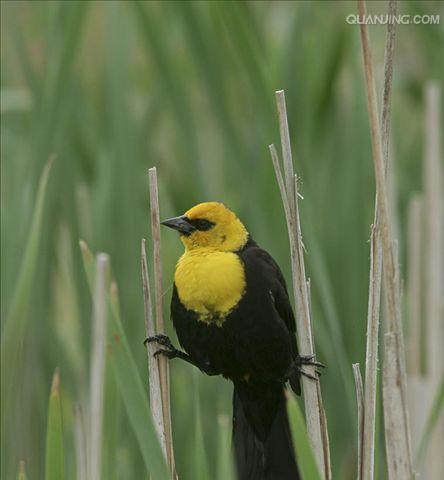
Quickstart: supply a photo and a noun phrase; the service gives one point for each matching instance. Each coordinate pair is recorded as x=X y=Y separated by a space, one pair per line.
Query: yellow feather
x=210 y=282
x=228 y=234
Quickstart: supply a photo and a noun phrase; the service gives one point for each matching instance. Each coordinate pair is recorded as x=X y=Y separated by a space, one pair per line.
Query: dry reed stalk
x=398 y=462
x=414 y=257
x=80 y=444
x=153 y=362
x=360 y=404
x=322 y=414
x=419 y=402
x=434 y=263
x=366 y=468
x=160 y=326
x=324 y=433
x=314 y=411
x=97 y=368
x=395 y=456
x=366 y=465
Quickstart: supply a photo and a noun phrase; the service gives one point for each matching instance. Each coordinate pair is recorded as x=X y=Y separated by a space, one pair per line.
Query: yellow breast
x=210 y=283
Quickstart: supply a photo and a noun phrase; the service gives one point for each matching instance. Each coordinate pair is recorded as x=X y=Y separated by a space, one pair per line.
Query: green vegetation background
x=116 y=87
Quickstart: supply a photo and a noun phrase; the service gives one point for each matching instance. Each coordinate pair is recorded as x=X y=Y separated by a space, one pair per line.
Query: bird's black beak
x=181 y=224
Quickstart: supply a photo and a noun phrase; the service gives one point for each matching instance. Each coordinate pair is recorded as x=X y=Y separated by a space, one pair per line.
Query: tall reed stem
x=434 y=261
x=360 y=404
x=366 y=466
x=98 y=368
x=314 y=411
x=396 y=424
x=160 y=326
x=153 y=362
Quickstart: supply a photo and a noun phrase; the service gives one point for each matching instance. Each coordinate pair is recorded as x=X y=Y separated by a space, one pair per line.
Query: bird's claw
x=308 y=375
x=160 y=339
x=167 y=353
x=308 y=360
x=302 y=360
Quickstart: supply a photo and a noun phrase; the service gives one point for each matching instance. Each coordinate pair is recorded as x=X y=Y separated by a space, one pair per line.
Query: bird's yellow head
x=210 y=225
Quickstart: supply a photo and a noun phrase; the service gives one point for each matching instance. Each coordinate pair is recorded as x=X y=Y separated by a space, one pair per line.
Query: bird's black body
x=255 y=347
x=257 y=338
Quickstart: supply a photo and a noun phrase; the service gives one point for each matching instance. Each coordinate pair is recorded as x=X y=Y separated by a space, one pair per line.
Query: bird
x=232 y=315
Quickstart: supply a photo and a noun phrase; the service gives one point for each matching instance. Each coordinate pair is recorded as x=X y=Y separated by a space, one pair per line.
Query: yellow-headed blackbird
x=233 y=317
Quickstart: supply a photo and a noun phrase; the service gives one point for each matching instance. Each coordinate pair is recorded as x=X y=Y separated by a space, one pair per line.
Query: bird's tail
x=261 y=434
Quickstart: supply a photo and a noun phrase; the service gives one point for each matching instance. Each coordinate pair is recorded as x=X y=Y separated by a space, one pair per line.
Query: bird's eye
x=202 y=224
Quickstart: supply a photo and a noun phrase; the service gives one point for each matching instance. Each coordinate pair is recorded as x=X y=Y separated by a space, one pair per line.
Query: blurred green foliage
x=113 y=88
x=55 y=456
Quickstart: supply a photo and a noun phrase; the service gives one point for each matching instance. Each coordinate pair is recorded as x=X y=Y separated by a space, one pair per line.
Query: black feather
x=255 y=347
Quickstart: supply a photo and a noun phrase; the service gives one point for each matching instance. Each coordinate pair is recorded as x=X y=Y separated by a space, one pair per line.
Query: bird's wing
x=280 y=292
x=276 y=282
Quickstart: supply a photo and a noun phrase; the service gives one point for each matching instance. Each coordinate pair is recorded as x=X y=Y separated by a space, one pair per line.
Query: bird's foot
x=308 y=360
x=170 y=351
x=302 y=360
x=161 y=339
